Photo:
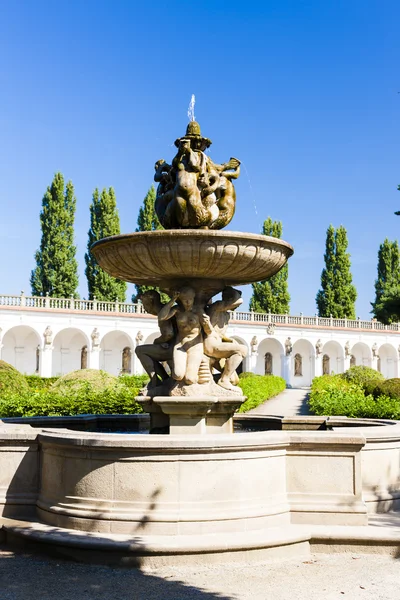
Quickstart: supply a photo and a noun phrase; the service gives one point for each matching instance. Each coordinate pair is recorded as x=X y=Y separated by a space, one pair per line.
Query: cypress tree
x=387 y=281
x=148 y=221
x=337 y=295
x=272 y=295
x=56 y=271
x=147 y=218
x=104 y=221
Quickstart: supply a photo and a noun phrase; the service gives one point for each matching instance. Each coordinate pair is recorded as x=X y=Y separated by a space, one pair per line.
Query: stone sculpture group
x=193 y=341
x=194 y=192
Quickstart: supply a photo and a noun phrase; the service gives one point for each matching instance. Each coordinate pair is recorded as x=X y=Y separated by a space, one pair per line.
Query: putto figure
x=194 y=192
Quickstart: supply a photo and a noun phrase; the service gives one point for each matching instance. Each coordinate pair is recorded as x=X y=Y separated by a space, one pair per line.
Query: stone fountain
x=192 y=260
x=201 y=493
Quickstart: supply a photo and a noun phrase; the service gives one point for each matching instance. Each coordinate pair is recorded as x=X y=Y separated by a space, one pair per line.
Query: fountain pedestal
x=199 y=415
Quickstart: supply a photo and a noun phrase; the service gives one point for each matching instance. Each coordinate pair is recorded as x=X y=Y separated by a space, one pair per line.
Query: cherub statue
x=187 y=352
x=153 y=355
x=216 y=343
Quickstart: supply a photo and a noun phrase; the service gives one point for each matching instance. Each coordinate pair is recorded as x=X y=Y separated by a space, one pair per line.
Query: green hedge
x=259 y=388
x=361 y=375
x=36 y=382
x=11 y=380
x=335 y=395
x=117 y=396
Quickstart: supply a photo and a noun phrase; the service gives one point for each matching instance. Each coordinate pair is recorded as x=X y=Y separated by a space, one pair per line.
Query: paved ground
x=287 y=404
x=323 y=577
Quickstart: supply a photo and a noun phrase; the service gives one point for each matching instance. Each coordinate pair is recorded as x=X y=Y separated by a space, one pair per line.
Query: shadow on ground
x=27 y=577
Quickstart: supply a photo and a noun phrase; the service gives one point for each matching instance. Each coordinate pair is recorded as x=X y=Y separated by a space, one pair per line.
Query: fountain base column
x=194 y=415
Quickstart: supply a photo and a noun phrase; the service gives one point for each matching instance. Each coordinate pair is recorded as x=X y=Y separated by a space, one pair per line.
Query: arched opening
x=20 y=346
x=269 y=363
x=362 y=354
x=302 y=363
x=272 y=364
x=67 y=354
x=335 y=353
x=326 y=364
x=388 y=361
x=112 y=348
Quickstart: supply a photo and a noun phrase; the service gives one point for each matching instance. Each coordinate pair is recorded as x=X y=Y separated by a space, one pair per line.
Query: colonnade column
x=317 y=365
x=94 y=358
x=251 y=362
x=287 y=362
x=46 y=361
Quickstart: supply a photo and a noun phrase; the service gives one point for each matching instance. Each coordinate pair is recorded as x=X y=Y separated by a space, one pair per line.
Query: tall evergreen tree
x=337 y=295
x=388 y=279
x=56 y=271
x=148 y=221
x=104 y=221
x=147 y=218
x=272 y=295
x=326 y=297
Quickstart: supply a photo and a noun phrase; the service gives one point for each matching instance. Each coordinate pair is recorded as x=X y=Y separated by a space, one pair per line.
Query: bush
x=334 y=395
x=259 y=388
x=86 y=391
x=87 y=379
x=11 y=380
x=361 y=375
x=389 y=388
x=134 y=381
x=35 y=382
x=47 y=403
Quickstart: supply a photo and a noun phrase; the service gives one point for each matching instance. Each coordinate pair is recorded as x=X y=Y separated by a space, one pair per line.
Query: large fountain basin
x=203 y=258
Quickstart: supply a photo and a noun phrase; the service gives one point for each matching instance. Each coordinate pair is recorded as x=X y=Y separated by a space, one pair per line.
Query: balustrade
x=76 y=304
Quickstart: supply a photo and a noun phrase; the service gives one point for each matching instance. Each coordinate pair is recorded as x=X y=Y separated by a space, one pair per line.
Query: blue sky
x=305 y=93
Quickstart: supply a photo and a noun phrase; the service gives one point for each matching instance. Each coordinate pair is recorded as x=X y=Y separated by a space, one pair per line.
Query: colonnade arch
x=302 y=363
x=362 y=354
x=116 y=352
x=22 y=348
x=388 y=361
x=269 y=357
x=335 y=354
x=67 y=350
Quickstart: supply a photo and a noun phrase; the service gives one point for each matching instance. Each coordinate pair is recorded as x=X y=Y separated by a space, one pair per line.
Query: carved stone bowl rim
x=194 y=233
x=109 y=254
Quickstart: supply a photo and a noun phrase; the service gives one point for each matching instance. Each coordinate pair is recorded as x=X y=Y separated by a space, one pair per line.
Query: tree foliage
x=56 y=271
x=148 y=221
x=387 y=284
x=147 y=218
x=272 y=295
x=104 y=222
x=337 y=295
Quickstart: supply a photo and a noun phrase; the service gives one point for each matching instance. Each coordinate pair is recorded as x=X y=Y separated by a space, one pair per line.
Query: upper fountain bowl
x=207 y=260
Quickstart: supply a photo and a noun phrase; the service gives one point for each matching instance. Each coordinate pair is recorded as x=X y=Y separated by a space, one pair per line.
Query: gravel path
x=323 y=577
x=288 y=403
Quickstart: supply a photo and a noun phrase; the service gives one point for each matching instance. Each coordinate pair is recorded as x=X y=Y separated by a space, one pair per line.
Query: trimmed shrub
x=134 y=381
x=87 y=379
x=361 y=375
x=334 y=395
x=35 y=382
x=119 y=400
x=11 y=380
x=389 y=388
x=259 y=388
